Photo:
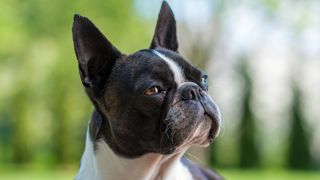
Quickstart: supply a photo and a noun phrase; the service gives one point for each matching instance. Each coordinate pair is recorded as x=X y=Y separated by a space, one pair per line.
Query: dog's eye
x=152 y=91
x=204 y=80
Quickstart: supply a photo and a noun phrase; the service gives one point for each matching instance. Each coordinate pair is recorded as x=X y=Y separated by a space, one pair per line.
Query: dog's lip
x=211 y=110
x=214 y=127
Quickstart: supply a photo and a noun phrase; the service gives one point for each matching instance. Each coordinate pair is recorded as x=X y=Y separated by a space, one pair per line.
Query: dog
x=149 y=107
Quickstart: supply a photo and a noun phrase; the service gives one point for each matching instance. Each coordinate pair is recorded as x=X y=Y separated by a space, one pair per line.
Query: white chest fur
x=103 y=164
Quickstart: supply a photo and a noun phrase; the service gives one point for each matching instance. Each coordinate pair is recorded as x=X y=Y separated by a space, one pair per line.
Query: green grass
x=37 y=175
x=236 y=174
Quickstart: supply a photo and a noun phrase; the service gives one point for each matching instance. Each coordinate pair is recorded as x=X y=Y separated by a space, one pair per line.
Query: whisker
x=194 y=158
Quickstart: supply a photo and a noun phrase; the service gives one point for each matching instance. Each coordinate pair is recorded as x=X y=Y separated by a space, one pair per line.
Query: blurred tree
x=249 y=152
x=21 y=151
x=212 y=154
x=299 y=156
x=5 y=135
x=60 y=131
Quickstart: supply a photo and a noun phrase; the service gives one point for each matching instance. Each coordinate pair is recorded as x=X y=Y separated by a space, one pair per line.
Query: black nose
x=190 y=91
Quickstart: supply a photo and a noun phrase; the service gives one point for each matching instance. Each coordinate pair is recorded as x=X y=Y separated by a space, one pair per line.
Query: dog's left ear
x=165 y=35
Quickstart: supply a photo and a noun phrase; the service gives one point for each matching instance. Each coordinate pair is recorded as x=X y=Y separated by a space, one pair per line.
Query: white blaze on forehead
x=174 y=67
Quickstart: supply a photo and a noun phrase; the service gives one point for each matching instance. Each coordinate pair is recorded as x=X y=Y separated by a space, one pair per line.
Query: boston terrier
x=149 y=107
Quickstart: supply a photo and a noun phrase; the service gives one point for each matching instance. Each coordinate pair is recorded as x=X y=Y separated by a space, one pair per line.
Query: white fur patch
x=175 y=68
x=103 y=164
x=88 y=168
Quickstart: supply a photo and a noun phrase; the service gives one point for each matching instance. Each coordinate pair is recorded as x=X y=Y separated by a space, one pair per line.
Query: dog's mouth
x=204 y=132
x=211 y=125
x=210 y=122
x=193 y=122
x=212 y=111
x=214 y=130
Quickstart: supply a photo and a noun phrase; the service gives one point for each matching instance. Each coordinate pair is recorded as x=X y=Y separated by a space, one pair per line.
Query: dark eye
x=204 y=80
x=152 y=91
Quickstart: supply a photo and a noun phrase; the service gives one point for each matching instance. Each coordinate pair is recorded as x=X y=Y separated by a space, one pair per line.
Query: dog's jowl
x=149 y=106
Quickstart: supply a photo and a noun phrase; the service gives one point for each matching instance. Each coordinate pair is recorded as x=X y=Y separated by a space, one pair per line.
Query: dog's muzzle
x=192 y=91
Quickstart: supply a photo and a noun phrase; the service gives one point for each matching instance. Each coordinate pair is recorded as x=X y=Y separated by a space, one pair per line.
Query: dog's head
x=150 y=101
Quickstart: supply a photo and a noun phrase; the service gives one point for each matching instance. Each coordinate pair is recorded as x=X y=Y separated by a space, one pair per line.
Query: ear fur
x=165 y=35
x=96 y=55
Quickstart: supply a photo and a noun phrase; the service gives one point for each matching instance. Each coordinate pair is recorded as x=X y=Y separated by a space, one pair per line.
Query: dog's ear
x=165 y=33
x=96 y=55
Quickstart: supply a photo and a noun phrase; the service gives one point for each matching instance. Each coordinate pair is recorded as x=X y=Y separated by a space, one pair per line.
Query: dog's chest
x=103 y=164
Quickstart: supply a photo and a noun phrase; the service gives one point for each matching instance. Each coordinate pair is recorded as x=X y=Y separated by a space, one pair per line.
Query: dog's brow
x=174 y=67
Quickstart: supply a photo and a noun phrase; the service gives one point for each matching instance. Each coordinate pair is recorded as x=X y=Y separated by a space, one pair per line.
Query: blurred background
x=262 y=56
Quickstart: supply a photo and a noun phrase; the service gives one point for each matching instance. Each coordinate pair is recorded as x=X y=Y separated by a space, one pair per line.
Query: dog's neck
x=100 y=162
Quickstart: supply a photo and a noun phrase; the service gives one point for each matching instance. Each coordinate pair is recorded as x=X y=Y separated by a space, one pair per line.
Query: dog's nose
x=190 y=91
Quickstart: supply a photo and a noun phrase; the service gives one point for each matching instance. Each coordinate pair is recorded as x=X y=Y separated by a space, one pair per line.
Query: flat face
x=156 y=101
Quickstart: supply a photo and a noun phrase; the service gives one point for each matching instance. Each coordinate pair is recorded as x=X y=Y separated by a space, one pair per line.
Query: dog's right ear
x=165 y=34
x=96 y=55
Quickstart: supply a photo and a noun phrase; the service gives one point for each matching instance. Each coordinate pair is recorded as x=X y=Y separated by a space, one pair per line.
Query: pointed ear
x=165 y=34
x=96 y=55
